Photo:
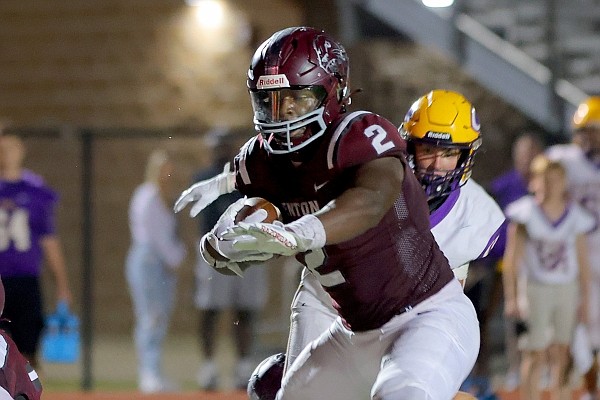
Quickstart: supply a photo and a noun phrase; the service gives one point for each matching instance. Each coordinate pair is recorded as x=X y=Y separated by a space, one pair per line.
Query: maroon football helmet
x=298 y=83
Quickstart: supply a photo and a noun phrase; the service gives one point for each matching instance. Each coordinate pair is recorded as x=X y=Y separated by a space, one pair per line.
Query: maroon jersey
x=17 y=376
x=383 y=271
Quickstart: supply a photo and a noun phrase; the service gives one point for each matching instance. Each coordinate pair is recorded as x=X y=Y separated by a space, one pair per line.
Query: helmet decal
x=410 y=114
x=441 y=136
x=272 y=81
x=475 y=120
x=331 y=59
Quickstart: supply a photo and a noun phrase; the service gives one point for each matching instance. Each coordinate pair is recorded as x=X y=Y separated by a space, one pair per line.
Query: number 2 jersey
x=381 y=272
x=26 y=216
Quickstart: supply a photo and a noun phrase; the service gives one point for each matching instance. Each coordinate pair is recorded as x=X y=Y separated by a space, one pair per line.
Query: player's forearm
x=56 y=262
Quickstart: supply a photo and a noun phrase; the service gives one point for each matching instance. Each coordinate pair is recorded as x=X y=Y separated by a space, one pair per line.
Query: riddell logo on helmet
x=272 y=82
x=438 y=135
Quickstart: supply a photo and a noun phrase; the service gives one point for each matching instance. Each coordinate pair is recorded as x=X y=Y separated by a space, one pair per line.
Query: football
x=253 y=204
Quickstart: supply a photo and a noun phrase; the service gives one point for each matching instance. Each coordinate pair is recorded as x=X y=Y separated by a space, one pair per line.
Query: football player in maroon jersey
x=18 y=380
x=356 y=217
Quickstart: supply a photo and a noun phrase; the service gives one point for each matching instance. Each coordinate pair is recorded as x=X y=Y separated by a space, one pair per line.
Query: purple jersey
x=381 y=272
x=506 y=189
x=26 y=215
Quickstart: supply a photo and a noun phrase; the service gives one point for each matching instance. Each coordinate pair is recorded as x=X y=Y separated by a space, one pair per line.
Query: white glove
x=230 y=260
x=206 y=191
x=230 y=257
x=306 y=233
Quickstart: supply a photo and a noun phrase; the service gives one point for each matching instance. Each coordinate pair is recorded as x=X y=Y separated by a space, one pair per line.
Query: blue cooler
x=61 y=340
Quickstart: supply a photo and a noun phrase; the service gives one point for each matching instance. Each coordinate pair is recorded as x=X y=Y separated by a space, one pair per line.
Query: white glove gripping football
x=225 y=247
x=206 y=191
x=306 y=233
x=233 y=259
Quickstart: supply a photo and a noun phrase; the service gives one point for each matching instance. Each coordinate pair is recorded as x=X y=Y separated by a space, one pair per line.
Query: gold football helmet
x=587 y=114
x=447 y=120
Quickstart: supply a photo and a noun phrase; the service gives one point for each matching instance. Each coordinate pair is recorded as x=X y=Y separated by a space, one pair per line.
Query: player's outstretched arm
x=378 y=184
x=206 y=191
x=219 y=253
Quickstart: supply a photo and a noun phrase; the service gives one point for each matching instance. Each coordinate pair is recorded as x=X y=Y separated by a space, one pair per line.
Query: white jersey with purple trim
x=584 y=185
x=467 y=225
x=550 y=252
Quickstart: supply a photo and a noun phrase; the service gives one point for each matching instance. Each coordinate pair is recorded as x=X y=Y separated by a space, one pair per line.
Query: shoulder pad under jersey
x=361 y=137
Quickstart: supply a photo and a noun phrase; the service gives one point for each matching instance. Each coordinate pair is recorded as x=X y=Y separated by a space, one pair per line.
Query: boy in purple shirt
x=27 y=234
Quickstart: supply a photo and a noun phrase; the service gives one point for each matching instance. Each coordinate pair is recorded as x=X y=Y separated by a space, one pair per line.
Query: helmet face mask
x=441 y=128
x=438 y=180
x=288 y=117
x=298 y=85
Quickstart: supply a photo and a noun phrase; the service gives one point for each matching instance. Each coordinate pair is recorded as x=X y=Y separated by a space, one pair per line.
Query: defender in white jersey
x=581 y=159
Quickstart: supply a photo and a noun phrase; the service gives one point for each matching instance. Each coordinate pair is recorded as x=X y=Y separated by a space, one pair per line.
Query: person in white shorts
x=581 y=159
x=546 y=241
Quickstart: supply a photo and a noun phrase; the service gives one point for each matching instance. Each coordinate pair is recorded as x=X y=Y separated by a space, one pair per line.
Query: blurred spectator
x=581 y=159
x=216 y=293
x=27 y=219
x=546 y=240
x=154 y=257
x=506 y=188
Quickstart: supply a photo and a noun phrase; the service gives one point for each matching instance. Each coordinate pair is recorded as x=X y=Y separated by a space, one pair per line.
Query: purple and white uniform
x=550 y=253
x=392 y=286
x=584 y=186
x=551 y=269
x=467 y=225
